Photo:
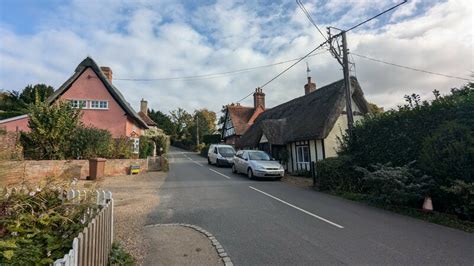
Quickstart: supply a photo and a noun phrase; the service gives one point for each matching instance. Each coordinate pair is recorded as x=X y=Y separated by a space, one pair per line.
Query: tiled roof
x=240 y=116
x=147 y=119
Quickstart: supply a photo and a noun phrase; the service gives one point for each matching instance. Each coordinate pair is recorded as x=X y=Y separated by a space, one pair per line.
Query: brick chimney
x=309 y=87
x=107 y=72
x=144 y=106
x=259 y=98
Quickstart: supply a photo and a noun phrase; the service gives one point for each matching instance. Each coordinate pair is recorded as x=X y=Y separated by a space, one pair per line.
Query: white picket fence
x=92 y=246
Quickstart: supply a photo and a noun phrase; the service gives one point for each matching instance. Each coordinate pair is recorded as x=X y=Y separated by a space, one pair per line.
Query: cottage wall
x=20 y=124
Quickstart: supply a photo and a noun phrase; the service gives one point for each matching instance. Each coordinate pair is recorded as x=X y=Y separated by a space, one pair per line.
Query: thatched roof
x=90 y=63
x=308 y=117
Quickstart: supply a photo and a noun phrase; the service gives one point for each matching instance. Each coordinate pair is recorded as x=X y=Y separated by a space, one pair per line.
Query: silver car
x=257 y=164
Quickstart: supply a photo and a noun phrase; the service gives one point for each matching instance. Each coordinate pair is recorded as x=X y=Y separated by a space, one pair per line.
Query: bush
x=121 y=148
x=211 y=139
x=90 y=142
x=147 y=146
x=395 y=186
x=36 y=226
x=337 y=174
x=448 y=153
x=119 y=256
x=462 y=194
x=162 y=144
x=204 y=151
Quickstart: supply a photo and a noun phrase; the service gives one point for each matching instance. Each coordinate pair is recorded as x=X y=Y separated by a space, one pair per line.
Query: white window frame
x=76 y=103
x=97 y=104
x=302 y=154
x=135 y=145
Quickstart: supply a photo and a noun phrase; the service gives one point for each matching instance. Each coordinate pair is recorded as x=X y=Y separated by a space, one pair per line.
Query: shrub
x=37 y=227
x=448 y=153
x=90 y=142
x=119 y=256
x=395 y=186
x=337 y=174
x=204 y=151
x=121 y=148
x=162 y=141
x=462 y=195
x=147 y=146
x=53 y=128
x=211 y=139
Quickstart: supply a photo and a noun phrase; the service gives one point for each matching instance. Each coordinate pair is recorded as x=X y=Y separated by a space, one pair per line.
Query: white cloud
x=168 y=39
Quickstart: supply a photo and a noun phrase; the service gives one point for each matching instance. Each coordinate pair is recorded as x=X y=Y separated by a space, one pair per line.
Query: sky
x=42 y=41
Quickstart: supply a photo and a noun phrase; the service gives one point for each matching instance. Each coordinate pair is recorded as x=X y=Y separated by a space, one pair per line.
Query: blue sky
x=43 y=41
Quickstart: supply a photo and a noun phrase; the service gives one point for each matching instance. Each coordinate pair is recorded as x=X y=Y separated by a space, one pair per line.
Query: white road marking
x=219 y=173
x=298 y=208
x=189 y=158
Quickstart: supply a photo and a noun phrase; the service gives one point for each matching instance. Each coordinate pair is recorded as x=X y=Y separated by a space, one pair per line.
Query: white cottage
x=307 y=128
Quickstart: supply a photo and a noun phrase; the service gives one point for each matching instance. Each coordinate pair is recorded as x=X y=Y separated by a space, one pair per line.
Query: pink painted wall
x=21 y=124
x=89 y=87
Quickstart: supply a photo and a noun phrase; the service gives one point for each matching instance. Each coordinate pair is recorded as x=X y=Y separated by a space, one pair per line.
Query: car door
x=244 y=164
x=237 y=160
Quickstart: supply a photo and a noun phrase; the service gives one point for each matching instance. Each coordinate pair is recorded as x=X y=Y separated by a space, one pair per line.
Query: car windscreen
x=259 y=156
x=226 y=151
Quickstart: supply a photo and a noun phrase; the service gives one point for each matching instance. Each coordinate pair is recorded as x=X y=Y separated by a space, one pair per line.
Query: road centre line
x=298 y=208
x=189 y=158
x=219 y=173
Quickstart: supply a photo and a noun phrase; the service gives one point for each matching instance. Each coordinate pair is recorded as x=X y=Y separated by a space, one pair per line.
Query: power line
x=305 y=11
x=411 y=68
x=286 y=69
x=215 y=75
x=376 y=16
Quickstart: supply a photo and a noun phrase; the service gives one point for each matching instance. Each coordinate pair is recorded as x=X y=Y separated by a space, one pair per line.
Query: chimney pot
x=259 y=98
x=144 y=106
x=107 y=72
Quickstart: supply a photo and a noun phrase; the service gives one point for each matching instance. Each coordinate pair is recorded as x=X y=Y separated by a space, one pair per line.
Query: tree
x=182 y=120
x=53 y=128
x=39 y=92
x=207 y=124
x=16 y=103
x=163 y=121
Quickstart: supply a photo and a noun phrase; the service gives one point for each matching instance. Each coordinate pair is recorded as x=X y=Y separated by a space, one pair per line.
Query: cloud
x=154 y=39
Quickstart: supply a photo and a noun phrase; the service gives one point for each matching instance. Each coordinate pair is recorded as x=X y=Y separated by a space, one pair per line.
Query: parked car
x=257 y=164
x=220 y=155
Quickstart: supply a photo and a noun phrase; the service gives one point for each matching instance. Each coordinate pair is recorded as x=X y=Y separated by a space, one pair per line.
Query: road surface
x=273 y=223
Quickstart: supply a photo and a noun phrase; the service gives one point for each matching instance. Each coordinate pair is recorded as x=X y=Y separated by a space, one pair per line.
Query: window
x=99 y=104
x=135 y=145
x=302 y=154
x=78 y=103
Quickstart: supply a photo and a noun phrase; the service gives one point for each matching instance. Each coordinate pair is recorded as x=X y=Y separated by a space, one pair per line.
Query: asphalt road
x=273 y=223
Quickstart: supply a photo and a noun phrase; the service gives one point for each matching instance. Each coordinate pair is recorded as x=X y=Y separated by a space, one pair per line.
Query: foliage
x=162 y=144
x=375 y=109
x=163 y=121
x=462 y=195
x=396 y=186
x=146 y=147
x=338 y=174
x=53 y=128
x=182 y=121
x=211 y=139
x=207 y=124
x=37 y=227
x=397 y=136
x=16 y=103
x=121 y=148
x=90 y=142
x=204 y=151
x=119 y=256
x=449 y=153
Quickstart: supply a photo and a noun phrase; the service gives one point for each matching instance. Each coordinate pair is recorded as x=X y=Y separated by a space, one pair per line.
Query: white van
x=220 y=154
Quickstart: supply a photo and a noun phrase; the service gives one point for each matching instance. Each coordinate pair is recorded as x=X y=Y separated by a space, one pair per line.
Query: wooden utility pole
x=347 y=84
x=197 y=130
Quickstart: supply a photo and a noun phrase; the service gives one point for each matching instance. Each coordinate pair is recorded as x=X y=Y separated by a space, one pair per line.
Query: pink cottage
x=103 y=106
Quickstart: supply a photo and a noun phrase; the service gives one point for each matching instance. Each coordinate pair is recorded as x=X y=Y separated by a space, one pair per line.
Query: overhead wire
x=410 y=68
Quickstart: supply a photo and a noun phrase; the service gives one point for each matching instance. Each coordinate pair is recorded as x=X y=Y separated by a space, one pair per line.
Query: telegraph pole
x=197 y=130
x=347 y=83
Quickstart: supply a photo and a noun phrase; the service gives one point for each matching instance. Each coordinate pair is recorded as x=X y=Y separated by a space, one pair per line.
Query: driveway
x=273 y=223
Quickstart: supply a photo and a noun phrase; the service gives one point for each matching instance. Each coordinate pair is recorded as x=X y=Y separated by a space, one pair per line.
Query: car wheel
x=208 y=161
x=234 y=170
x=250 y=174
x=218 y=164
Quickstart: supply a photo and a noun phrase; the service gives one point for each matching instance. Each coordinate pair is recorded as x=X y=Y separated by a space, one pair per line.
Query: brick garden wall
x=33 y=171
x=8 y=147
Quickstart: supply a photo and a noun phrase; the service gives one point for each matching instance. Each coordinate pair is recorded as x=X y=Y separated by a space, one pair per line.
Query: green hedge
x=338 y=174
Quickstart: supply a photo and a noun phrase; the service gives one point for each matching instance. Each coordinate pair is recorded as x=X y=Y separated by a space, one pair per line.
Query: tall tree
x=182 y=120
x=15 y=103
x=32 y=93
x=207 y=124
x=163 y=121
